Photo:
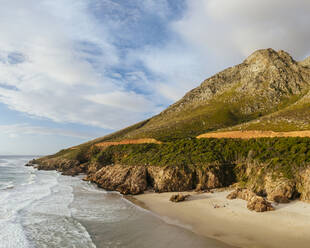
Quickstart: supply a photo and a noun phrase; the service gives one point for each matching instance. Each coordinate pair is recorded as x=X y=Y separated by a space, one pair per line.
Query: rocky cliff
x=275 y=168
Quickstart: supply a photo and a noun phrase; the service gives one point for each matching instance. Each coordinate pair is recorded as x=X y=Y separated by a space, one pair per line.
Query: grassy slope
x=229 y=107
x=216 y=114
x=294 y=117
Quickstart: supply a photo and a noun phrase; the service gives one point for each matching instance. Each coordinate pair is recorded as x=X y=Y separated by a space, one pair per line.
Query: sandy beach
x=232 y=223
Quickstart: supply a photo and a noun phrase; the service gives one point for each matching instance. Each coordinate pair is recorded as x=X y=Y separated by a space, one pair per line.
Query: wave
x=15 y=198
x=48 y=220
x=7 y=185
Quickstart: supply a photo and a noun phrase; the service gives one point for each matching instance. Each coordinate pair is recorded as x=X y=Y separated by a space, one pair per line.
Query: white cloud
x=16 y=130
x=122 y=100
x=233 y=29
x=67 y=55
x=178 y=68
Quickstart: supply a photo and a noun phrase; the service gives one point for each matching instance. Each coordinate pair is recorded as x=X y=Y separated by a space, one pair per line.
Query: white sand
x=287 y=226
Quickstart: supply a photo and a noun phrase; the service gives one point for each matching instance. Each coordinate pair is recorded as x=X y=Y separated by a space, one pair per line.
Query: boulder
x=255 y=202
x=243 y=194
x=259 y=204
x=280 y=199
x=31 y=163
x=178 y=197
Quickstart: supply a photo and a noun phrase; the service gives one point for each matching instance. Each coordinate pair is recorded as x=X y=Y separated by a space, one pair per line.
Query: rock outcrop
x=166 y=179
x=255 y=202
x=214 y=177
x=59 y=164
x=125 y=179
x=280 y=190
x=259 y=204
x=303 y=185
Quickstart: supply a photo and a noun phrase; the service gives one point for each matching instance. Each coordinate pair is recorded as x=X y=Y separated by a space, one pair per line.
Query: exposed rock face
x=136 y=179
x=125 y=179
x=61 y=165
x=243 y=194
x=259 y=204
x=304 y=185
x=165 y=179
x=179 y=197
x=208 y=179
x=279 y=189
x=93 y=168
x=306 y=62
x=276 y=187
x=31 y=163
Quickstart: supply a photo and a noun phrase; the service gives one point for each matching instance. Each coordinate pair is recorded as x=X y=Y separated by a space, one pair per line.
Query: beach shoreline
x=229 y=221
x=113 y=220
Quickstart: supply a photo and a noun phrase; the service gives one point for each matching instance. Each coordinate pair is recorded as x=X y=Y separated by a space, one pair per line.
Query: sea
x=46 y=209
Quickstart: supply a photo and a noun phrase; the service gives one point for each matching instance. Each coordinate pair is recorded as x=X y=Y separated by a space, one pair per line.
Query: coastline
x=232 y=223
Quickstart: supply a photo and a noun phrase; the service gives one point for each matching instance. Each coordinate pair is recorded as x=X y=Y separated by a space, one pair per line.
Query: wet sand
x=288 y=226
x=113 y=221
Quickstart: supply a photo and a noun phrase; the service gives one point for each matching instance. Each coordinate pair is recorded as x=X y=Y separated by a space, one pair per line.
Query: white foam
x=12 y=235
x=48 y=221
x=11 y=203
x=36 y=211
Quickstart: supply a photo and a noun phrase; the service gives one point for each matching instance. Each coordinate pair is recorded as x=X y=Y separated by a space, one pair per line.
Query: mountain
x=265 y=94
x=267 y=86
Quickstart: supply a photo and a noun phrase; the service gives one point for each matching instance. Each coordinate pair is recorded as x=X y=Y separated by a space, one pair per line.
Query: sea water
x=46 y=209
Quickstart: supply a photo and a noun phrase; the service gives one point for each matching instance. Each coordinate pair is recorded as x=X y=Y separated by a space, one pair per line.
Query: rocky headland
x=266 y=94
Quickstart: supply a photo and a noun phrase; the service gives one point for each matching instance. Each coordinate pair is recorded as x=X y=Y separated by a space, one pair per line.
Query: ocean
x=46 y=209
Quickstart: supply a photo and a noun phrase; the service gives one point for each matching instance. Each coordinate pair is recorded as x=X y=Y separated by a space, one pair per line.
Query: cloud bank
x=57 y=62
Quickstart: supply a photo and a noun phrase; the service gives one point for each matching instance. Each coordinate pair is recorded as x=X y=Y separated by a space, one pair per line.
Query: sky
x=74 y=70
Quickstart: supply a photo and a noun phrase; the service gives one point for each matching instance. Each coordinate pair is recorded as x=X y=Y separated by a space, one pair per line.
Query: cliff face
x=129 y=179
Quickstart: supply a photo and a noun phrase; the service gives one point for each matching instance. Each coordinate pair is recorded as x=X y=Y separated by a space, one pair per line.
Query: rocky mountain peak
x=265 y=83
x=266 y=57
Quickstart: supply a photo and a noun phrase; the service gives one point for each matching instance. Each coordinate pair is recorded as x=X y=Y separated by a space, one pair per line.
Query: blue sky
x=73 y=70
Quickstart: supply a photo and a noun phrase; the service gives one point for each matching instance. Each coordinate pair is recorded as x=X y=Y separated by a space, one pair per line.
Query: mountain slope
x=265 y=84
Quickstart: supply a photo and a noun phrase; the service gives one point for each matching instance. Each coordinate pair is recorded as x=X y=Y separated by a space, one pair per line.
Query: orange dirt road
x=128 y=141
x=254 y=134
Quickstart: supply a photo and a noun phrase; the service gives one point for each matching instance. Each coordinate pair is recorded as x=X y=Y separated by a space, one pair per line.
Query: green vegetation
x=282 y=155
